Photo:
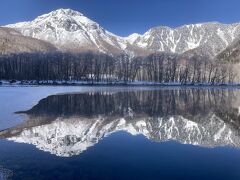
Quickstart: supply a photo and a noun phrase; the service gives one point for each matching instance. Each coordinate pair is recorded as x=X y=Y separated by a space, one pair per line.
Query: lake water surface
x=119 y=133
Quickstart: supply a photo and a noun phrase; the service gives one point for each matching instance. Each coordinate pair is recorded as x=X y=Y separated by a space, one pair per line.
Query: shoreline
x=110 y=84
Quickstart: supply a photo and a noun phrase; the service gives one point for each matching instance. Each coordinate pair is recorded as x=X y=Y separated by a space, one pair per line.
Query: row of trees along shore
x=92 y=67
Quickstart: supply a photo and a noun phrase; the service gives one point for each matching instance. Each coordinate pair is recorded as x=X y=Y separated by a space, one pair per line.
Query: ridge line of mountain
x=71 y=31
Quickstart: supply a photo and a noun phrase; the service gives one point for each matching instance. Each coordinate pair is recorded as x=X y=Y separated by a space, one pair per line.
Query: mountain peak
x=58 y=14
x=69 y=12
x=70 y=30
x=67 y=19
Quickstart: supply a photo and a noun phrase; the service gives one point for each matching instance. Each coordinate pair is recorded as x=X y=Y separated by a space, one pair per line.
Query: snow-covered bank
x=107 y=83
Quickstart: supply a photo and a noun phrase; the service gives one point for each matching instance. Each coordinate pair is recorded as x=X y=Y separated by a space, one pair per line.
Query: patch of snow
x=133 y=37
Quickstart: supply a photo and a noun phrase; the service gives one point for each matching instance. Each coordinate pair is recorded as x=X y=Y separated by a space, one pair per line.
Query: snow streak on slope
x=215 y=35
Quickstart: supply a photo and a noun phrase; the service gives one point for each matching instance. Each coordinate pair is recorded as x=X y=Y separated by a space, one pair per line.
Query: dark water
x=126 y=134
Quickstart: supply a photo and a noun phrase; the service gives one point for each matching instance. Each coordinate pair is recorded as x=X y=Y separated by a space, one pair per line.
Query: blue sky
x=124 y=17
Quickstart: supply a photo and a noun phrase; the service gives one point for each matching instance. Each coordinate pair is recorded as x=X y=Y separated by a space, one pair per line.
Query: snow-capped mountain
x=72 y=31
x=215 y=36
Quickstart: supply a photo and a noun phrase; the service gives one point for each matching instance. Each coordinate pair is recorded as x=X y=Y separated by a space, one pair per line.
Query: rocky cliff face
x=230 y=54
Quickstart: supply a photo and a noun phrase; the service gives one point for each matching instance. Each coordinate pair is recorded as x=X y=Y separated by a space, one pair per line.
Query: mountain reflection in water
x=66 y=125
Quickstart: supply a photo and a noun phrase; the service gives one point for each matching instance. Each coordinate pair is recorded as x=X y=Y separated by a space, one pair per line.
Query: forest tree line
x=92 y=67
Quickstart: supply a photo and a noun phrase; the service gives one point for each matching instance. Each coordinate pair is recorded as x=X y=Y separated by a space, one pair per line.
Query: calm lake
x=119 y=133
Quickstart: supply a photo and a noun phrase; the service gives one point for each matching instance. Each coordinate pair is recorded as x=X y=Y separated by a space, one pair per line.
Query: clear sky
x=124 y=17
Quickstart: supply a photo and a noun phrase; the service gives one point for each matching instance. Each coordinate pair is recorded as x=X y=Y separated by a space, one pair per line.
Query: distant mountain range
x=69 y=30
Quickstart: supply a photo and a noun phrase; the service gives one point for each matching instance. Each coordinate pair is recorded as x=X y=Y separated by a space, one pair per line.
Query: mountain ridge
x=70 y=30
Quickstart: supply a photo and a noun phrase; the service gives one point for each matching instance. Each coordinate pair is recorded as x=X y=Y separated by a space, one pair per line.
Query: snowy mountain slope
x=214 y=36
x=71 y=136
x=12 y=41
x=72 y=31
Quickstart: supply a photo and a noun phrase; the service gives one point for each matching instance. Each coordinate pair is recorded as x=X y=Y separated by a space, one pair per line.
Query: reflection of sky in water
x=122 y=156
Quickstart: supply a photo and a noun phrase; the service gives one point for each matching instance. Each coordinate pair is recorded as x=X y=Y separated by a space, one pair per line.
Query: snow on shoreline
x=107 y=83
